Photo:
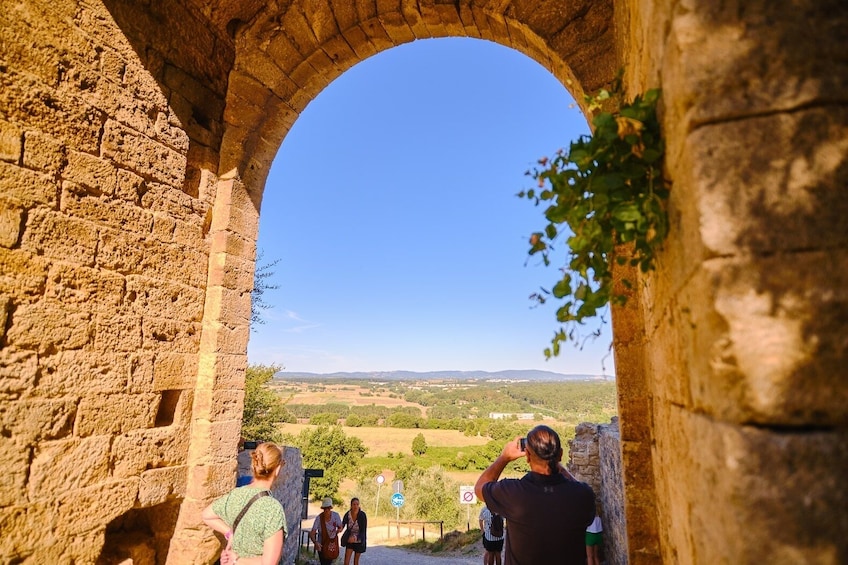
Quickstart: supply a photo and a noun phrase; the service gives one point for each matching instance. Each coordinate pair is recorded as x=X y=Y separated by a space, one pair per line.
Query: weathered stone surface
x=61 y=466
x=111 y=499
x=49 y=326
x=31 y=420
x=136 y=451
x=135 y=140
x=158 y=485
x=27 y=188
x=115 y=414
x=81 y=372
x=59 y=237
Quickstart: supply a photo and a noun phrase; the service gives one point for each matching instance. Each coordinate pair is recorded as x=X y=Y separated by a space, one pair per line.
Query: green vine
x=608 y=190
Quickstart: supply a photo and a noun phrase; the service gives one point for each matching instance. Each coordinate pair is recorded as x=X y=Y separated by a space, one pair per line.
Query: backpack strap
x=241 y=514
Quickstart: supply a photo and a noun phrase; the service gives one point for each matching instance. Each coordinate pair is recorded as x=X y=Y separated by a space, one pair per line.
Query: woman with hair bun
x=251 y=520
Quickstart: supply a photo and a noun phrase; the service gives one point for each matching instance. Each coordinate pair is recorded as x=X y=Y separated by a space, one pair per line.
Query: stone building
x=135 y=139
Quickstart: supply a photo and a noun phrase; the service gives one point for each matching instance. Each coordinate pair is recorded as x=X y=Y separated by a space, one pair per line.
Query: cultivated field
x=382 y=441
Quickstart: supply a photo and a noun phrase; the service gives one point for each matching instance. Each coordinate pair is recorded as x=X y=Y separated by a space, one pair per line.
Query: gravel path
x=383 y=555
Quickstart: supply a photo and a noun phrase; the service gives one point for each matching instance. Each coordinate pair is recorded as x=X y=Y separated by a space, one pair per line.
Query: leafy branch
x=607 y=190
x=260 y=285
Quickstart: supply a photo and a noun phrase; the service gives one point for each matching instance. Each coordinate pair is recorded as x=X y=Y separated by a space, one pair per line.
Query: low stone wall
x=595 y=458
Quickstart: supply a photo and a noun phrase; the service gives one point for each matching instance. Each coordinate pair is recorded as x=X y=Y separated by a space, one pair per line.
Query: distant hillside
x=511 y=375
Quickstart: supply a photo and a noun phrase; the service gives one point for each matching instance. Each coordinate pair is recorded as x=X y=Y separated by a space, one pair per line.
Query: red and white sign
x=467 y=496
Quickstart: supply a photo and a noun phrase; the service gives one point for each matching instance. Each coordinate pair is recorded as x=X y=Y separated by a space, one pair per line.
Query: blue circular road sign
x=397 y=500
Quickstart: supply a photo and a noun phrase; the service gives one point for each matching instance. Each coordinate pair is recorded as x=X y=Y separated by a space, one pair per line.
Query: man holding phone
x=547 y=511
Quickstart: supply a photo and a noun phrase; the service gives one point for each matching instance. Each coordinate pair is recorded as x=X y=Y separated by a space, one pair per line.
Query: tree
x=434 y=497
x=263 y=409
x=260 y=285
x=330 y=449
x=419 y=445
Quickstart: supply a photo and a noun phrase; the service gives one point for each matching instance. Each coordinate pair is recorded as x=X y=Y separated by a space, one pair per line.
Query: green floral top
x=261 y=521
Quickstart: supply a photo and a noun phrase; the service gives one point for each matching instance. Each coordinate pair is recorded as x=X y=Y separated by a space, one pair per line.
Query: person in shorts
x=492 y=544
x=594 y=539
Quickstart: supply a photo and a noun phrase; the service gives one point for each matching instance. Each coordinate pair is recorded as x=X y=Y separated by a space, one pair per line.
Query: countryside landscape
x=435 y=432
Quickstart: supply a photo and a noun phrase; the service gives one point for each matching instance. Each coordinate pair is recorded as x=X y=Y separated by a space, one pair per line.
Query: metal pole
x=379 y=485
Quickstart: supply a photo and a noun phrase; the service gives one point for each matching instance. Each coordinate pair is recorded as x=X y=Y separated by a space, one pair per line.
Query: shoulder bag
x=330 y=547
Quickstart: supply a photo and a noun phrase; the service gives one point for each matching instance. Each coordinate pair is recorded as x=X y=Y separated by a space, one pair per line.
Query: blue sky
x=392 y=209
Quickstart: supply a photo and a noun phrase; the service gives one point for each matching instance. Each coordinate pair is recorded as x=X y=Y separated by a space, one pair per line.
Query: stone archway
x=134 y=143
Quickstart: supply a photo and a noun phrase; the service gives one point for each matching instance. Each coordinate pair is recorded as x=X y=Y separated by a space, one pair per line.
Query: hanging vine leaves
x=607 y=189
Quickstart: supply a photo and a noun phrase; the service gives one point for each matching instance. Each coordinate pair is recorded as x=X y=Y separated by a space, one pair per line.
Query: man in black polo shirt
x=547 y=511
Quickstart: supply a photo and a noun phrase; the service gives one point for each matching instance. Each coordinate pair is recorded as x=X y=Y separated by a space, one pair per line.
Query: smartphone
x=523 y=443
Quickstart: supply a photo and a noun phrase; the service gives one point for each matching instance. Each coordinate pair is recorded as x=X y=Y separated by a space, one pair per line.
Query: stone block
x=139 y=450
x=22 y=274
x=117 y=332
x=27 y=529
x=180 y=264
x=222 y=404
x=43 y=153
x=82 y=372
x=124 y=253
x=178 y=301
x=141 y=372
x=18 y=370
x=115 y=413
x=59 y=237
x=11 y=142
x=164 y=227
x=231 y=272
x=113 y=498
x=188 y=232
x=213 y=480
x=760 y=479
x=170 y=201
x=27 y=188
x=71 y=285
x=61 y=466
x=47 y=326
x=129 y=186
x=142 y=155
x=94 y=173
x=791 y=200
x=11 y=224
x=165 y=334
x=15 y=467
x=357 y=40
x=222 y=339
x=174 y=371
x=222 y=371
x=31 y=420
x=159 y=485
x=774 y=347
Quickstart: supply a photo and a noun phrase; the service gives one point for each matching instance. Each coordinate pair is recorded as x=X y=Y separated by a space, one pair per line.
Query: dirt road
x=383 y=555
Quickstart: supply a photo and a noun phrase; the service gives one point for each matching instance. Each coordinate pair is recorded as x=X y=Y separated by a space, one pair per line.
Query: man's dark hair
x=544 y=442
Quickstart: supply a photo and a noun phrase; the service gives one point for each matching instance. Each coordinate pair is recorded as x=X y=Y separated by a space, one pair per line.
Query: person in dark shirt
x=547 y=511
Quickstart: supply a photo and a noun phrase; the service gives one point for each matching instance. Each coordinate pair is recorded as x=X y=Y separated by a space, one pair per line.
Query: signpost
x=380 y=480
x=467 y=497
x=397 y=501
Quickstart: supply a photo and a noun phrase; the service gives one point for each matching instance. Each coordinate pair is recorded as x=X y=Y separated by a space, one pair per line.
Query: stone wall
x=135 y=139
x=595 y=458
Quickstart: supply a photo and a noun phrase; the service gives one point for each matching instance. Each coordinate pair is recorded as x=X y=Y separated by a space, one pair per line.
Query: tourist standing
x=547 y=510
x=251 y=520
x=356 y=529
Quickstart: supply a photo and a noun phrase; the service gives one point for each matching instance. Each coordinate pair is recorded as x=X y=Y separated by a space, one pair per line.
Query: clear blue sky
x=392 y=208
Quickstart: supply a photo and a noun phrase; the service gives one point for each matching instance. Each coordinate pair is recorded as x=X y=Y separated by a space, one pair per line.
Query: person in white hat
x=325 y=531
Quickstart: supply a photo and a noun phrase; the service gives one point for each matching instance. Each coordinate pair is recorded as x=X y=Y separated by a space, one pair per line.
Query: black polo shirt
x=546 y=518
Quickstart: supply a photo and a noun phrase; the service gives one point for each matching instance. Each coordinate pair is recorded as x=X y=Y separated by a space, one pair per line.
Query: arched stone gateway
x=135 y=138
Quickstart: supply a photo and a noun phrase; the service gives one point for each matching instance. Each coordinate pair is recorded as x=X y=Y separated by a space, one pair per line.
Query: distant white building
x=517 y=415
